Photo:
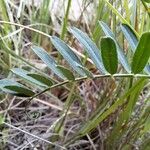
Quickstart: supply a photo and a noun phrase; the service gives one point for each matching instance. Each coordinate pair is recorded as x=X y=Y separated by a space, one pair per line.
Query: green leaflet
x=34 y=78
x=142 y=54
x=109 y=54
x=42 y=79
x=87 y=72
x=90 y=48
x=130 y=36
x=47 y=59
x=121 y=56
x=15 y=88
x=20 y=91
x=67 y=53
x=133 y=41
x=66 y=72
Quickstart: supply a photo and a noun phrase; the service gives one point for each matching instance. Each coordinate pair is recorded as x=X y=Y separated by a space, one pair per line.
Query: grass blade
x=91 y=124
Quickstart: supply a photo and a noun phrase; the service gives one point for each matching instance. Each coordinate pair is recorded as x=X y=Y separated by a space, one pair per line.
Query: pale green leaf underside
x=47 y=59
x=90 y=47
x=67 y=53
x=15 y=88
x=34 y=78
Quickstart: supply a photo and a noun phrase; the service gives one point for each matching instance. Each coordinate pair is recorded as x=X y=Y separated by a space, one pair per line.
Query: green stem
x=25 y=27
x=59 y=125
x=94 y=77
x=68 y=103
x=64 y=27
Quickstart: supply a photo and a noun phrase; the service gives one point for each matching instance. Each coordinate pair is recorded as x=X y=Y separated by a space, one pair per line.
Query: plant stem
x=94 y=77
x=64 y=27
x=59 y=125
x=25 y=27
x=68 y=103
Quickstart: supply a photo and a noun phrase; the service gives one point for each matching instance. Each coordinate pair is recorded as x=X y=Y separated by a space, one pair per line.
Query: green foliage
x=132 y=40
x=121 y=105
x=66 y=72
x=121 y=56
x=15 y=88
x=109 y=54
x=90 y=48
x=34 y=78
x=105 y=59
x=142 y=54
x=48 y=60
x=130 y=36
x=86 y=71
x=68 y=54
x=147 y=1
x=98 y=118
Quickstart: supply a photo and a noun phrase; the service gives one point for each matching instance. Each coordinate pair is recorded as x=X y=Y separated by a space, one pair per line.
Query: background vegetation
x=61 y=101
